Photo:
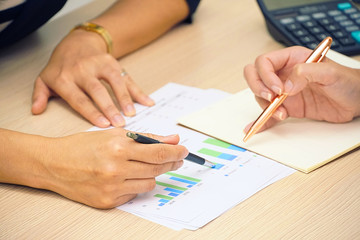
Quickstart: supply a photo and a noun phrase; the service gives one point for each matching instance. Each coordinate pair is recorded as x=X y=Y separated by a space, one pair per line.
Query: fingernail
x=118 y=121
x=179 y=164
x=103 y=121
x=130 y=110
x=266 y=95
x=173 y=135
x=279 y=115
x=149 y=101
x=276 y=90
x=288 y=86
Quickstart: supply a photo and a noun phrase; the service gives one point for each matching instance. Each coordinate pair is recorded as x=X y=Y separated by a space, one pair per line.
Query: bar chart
x=180 y=184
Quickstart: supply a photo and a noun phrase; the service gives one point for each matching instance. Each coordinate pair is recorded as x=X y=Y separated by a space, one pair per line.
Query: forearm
x=21 y=157
x=134 y=23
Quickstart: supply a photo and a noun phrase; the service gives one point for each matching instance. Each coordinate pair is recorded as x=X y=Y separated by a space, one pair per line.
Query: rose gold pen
x=316 y=56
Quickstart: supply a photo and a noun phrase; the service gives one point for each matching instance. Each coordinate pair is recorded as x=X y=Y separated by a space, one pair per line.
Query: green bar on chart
x=183 y=177
x=216 y=142
x=171 y=186
x=163 y=196
x=209 y=152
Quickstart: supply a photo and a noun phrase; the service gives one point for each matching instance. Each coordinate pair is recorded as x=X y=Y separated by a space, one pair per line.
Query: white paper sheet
x=194 y=195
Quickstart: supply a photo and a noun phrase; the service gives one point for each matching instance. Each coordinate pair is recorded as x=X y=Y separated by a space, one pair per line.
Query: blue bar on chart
x=218 y=166
x=173 y=190
x=217 y=154
x=222 y=144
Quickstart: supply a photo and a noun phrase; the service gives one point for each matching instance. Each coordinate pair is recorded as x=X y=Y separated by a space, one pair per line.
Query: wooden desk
x=212 y=52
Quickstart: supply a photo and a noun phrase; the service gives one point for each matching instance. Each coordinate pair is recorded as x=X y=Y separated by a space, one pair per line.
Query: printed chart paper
x=194 y=195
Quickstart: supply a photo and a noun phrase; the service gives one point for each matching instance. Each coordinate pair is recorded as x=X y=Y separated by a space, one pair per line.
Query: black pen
x=191 y=157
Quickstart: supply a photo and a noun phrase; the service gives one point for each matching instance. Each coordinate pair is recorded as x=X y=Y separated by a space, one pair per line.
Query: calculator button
x=309 y=24
x=285 y=21
x=303 y=18
x=352 y=28
x=334 y=44
x=300 y=32
x=354 y=16
x=319 y=15
x=334 y=13
x=343 y=6
x=307 y=39
x=347 y=41
x=321 y=36
x=357 y=21
x=316 y=30
x=340 y=18
x=311 y=45
x=293 y=26
x=346 y=23
x=332 y=27
x=350 y=10
x=325 y=21
x=356 y=36
x=339 y=34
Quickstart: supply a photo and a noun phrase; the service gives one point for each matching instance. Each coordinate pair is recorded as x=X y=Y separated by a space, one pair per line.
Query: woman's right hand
x=324 y=91
x=105 y=169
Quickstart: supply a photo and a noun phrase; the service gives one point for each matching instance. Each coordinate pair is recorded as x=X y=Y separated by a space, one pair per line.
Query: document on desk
x=299 y=143
x=194 y=195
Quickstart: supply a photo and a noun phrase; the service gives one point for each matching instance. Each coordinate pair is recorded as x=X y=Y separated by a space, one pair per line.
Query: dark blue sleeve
x=193 y=4
x=26 y=18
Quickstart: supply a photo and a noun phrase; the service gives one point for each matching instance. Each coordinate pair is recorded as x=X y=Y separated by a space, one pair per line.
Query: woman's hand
x=105 y=169
x=74 y=72
x=324 y=91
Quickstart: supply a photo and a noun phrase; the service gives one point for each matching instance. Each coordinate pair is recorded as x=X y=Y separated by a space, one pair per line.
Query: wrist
x=88 y=40
x=98 y=30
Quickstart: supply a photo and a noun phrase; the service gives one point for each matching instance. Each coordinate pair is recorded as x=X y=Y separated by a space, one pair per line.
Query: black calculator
x=307 y=22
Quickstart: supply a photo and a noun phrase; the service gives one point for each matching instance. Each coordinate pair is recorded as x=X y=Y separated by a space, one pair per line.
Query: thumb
x=40 y=96
x=170 y=139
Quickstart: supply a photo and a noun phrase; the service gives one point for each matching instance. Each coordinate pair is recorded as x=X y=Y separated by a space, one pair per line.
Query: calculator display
x=276 y=4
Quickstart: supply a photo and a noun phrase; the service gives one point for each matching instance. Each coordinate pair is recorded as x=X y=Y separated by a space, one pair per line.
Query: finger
x=40 y=96
x=171 y=139
x=136 y=186
x=266 y=66
x=157 y=153
x=255 y=83
x=81 y=103
x=137 y=94
x=281 y=112
x=101 y=97
x=112 y=74
x=276 y=65
x=139 y=170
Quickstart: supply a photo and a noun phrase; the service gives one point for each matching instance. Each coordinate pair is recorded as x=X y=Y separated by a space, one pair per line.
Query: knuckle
x=62 y=79
x=161 y=154
x=113 y=74
x=95 y=86
x=298 y=70
x=117 y=149
x=157 y=170
x=125 y=98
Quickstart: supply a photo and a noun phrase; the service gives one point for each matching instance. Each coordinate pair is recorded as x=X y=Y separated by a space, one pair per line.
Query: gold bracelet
x=92 y=27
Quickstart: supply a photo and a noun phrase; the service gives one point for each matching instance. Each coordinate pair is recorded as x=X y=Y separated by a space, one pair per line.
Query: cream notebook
x=299 y=143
